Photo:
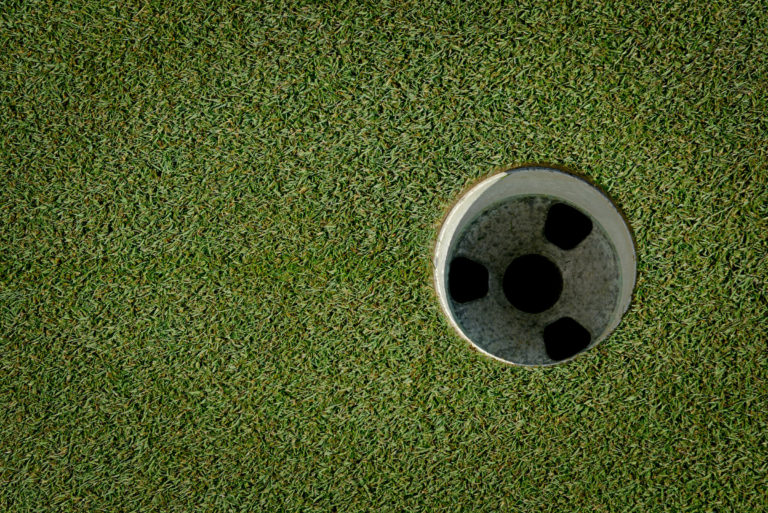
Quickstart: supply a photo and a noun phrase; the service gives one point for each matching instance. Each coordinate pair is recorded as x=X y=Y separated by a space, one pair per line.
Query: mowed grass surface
x=215 y=239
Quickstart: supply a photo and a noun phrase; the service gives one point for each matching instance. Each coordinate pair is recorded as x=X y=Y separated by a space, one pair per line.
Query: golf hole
x=534 y=266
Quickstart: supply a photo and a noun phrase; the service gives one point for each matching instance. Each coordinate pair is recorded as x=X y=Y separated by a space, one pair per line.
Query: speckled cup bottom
x=533 y=280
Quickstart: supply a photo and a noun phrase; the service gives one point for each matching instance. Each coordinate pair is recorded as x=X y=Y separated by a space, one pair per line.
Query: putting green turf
x=215 y=239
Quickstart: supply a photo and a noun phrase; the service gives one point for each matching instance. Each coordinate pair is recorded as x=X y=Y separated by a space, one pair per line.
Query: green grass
x=216 y=226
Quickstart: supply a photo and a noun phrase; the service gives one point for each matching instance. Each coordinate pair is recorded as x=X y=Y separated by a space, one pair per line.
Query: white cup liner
x=503 y=219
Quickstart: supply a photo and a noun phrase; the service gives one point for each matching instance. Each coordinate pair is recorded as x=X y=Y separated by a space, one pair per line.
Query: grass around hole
x=216 y=226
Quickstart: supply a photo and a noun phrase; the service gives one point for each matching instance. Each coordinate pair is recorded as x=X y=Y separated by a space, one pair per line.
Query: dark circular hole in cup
x=532 y=283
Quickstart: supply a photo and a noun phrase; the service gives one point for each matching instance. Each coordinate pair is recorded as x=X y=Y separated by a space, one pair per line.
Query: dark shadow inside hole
x=467 y=280
x=564 y=338
x=532 y=283
x=566 y=227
